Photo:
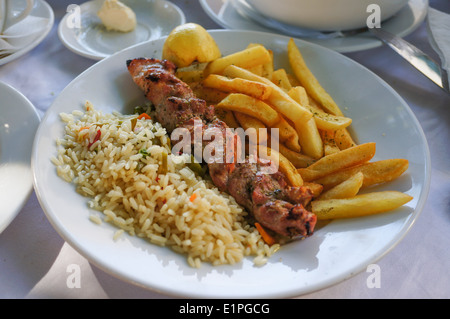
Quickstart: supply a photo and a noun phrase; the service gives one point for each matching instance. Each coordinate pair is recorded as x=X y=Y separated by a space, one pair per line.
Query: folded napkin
x=23 y=33
x=438 y=25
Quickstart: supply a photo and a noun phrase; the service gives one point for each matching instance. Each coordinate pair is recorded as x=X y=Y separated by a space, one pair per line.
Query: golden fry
x=344 y=139
x=248 y=105
x=257 y=69
x=267 y=68
x=309 y=81
x=298 y=93
x=310 y=140
x=309 y=136
x=293 y=143
x=331 y=163
x=346 y=189
x=360 y=205
x=374 y=173
x=299 y=160
x=287 y=134
x=281 y=79
x=249 y=122
x=228 y=117
x=246 y=58
x=324 y=120
x=329 y=143
x=237 y=85
x=190 y=76
x=293 y=80
x=210 y=95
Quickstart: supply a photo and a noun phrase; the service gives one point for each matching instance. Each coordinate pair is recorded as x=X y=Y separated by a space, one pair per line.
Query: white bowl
x=324 y=15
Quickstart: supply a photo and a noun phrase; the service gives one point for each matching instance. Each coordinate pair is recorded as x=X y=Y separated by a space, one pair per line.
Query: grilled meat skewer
x=268 y=197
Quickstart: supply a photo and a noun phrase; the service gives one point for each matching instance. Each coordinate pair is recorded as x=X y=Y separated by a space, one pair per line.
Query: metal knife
x=415 y=56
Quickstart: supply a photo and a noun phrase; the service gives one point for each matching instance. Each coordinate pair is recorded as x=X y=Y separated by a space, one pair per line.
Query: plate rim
x=34 y=115
x=342 y=49
x=174 y=292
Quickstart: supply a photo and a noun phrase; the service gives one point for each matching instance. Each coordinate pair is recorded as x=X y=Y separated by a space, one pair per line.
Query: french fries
x=346 y=189
x=378 y=172
x=210 y=95
x=248 y=122
x=299 y=160
x=237 y=85
x=229 y=118
x=281 y=79
x=247 y=58
x=287 y=134
x=324 y=120
x=310 y=139
x=316 y=147
x=287 y=106
x=309 y=81
x=334 y=162
x=329 y=142
x=343 y=139
x=359 y=205
x=249 y=105
x=260 y=110
x=279 y=99
x=268 y=68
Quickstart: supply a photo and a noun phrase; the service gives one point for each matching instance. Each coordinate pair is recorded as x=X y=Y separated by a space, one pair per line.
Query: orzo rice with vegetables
x=124 y=164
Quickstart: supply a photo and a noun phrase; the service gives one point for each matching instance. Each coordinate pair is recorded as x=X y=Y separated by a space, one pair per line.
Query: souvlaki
x=267 y=196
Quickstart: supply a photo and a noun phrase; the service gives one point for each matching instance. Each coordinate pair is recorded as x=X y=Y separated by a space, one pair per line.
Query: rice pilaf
x=125 y=166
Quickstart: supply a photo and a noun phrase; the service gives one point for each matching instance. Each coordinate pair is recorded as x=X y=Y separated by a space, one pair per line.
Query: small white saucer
x=18 y=124
x=42 y=12
x=155 y=18
x=224 y=13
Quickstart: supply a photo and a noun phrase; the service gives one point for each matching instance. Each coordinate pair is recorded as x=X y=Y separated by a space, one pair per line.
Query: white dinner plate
x=403 y=23
x=89 y=38
x=18 y=124
x=41 y=10
x=334 y=253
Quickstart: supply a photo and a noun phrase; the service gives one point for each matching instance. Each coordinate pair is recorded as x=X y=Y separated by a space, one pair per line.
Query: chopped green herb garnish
x=144 y=153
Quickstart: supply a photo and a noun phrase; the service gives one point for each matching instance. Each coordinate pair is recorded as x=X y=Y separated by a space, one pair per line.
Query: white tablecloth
x=34 y=258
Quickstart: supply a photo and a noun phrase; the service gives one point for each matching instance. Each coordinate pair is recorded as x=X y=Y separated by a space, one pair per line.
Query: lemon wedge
x=188 y=43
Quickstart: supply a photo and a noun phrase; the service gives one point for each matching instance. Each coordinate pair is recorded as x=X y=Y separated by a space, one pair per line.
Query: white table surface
x=34 y=258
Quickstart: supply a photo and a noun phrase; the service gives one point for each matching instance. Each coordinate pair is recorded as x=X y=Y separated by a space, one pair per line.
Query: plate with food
x=98 y=28
x=253 y=166
x=18 y=124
